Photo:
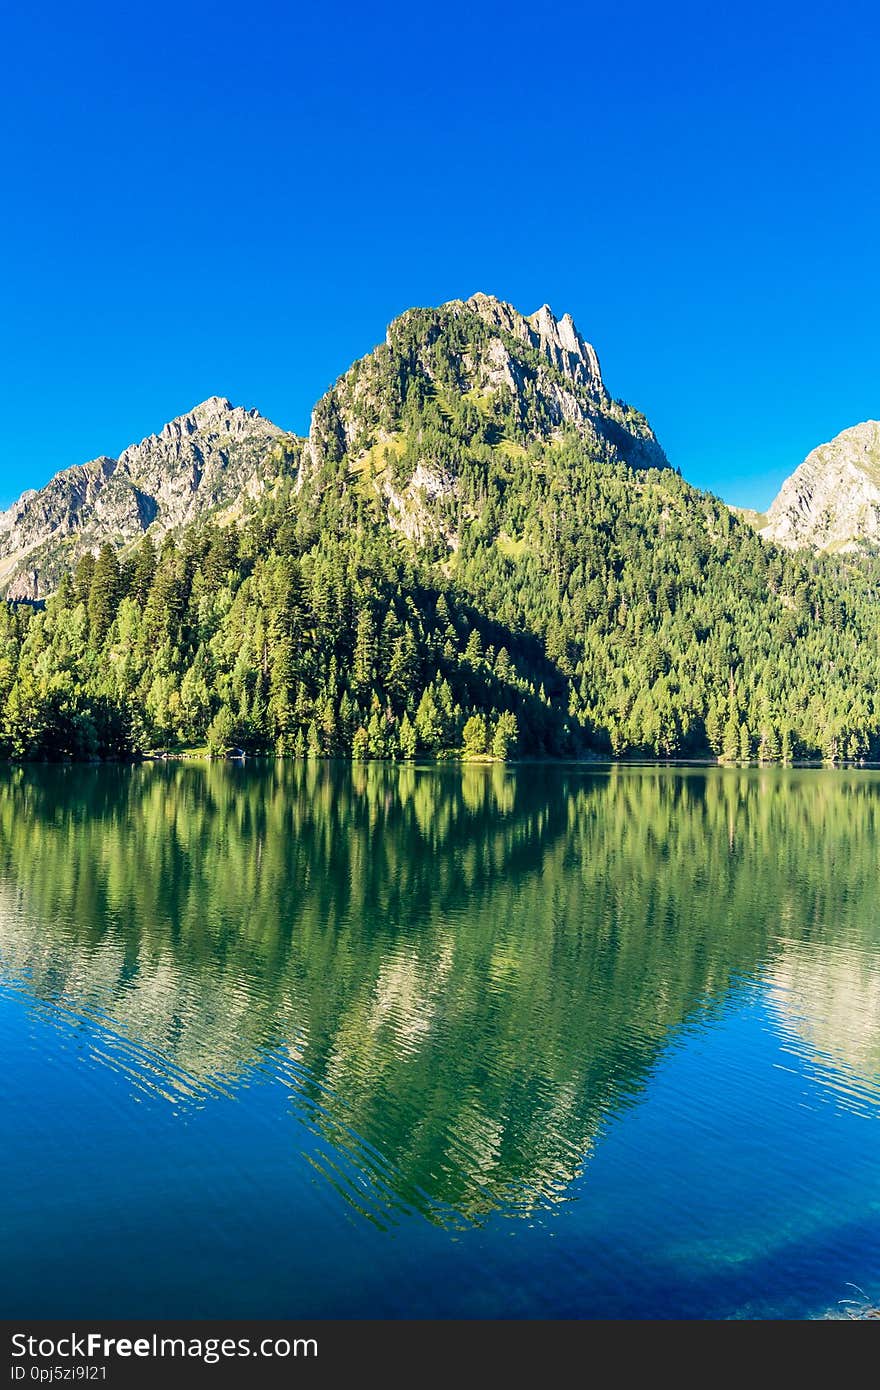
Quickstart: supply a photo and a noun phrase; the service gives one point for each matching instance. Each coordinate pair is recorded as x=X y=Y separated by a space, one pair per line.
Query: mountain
x=210 y=458
x=473 y=372
x=533 y=373
x=832 y=501
x=476 y=551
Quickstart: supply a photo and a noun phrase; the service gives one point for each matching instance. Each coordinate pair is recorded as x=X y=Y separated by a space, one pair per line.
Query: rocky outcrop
x=25 y=587
x=58 y=508
x=410 y=512
x=211 y=458
x=557 y=374
x=832 y=501
x=558 y=341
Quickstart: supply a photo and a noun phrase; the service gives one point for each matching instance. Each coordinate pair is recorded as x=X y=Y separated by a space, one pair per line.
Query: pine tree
x=329 y=727
x=221 y=731
x=714 y=735
x=474 y=650
x=104 y=593
x=403 y=666
x=143 y=571
x=731 y=743
x=364 y=662
x=429 y=722
x=407 y=738
x=83 y=576
x=769 y=747
x=376 y=740
x=786 y=746
x=475 y=736
x=505 y=735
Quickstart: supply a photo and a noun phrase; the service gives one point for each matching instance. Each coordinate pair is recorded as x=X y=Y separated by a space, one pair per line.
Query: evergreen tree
x=408 y=739
x=143 y=571
x=731 y=744
x=363 y=665
x=475 y=736
x=82 y=579
x=429 y=723
x=104 y=594
x=221 y=731
x=505 y=735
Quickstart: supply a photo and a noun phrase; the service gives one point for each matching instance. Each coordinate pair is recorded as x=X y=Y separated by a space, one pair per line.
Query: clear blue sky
x=235 y=199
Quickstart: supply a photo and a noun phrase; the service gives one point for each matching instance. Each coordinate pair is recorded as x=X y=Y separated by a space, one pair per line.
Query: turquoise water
x=306 y=1040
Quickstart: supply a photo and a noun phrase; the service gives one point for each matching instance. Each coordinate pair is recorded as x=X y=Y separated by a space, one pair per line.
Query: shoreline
x=452 y=760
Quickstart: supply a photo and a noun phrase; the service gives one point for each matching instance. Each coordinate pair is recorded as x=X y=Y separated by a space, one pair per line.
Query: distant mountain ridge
x=209 y=458
x=832 y=500
x=218 y=456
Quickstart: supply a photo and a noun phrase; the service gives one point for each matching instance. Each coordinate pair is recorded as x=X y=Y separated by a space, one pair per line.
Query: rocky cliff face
x=832 y=501
x=558 y=341
x=209 y=459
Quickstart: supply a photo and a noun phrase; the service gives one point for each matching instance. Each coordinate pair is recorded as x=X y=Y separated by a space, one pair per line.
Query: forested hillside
x=477 y=550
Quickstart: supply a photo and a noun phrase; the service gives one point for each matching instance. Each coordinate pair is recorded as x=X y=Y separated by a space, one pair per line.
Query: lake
x=545 y=1041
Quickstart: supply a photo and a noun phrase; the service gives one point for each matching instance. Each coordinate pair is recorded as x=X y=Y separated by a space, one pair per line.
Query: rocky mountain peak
x=558 y=340
x=208 y=413
x=213 y=456
x=471 y=375
x=213 y=407
x=213 y=419
x=832 y=500
x=537 y=367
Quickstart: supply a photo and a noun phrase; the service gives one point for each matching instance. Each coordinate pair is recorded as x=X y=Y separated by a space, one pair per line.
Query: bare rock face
x=209 y=459
x=559 y=371
x=25 y=587
x=832 y=501
x=410 y=512
x=558 y=341
x=199 y=460
x=60 y=506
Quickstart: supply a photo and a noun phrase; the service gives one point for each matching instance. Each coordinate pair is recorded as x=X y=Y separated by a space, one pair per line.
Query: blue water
x=310 y=1041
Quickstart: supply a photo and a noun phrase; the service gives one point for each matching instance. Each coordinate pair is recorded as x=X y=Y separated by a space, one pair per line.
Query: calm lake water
x=316 y=1041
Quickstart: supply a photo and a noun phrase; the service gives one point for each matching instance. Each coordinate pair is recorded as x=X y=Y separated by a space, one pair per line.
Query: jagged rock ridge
x=210 y=458
x=832 y=501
